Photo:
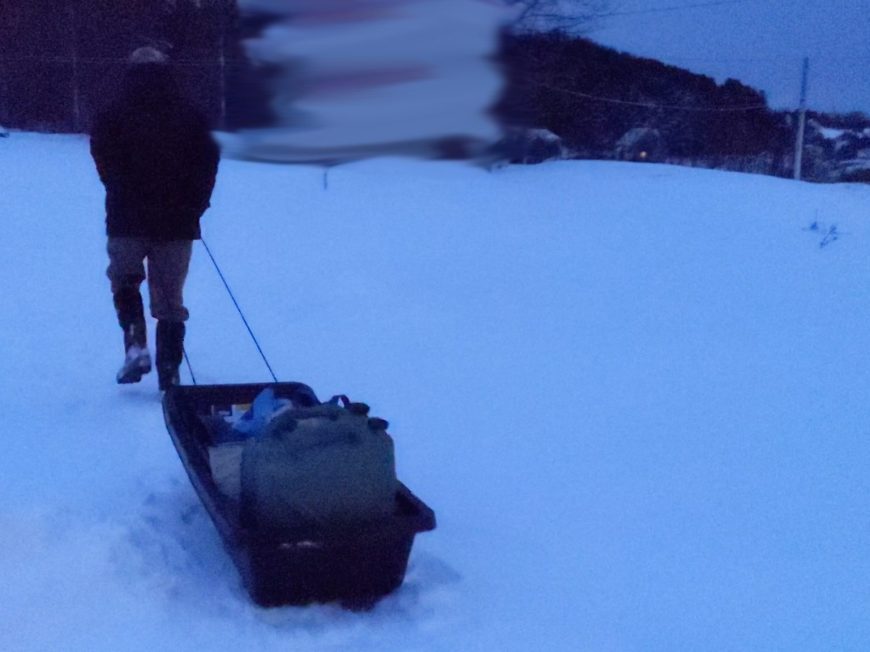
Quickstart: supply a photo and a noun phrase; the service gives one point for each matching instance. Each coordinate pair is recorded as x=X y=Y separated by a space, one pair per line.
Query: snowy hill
x=635 y=395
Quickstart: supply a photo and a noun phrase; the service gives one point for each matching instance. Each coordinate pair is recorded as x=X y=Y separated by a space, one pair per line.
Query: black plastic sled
x=306 y=567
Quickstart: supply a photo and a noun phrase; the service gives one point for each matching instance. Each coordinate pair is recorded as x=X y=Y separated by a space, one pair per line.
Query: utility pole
x=74 y=52
x=802 y=122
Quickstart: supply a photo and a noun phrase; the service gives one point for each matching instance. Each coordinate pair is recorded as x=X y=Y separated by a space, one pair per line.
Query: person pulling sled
x=158 y=162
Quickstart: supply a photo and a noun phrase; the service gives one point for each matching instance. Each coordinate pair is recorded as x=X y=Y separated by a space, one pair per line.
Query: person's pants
x=168 y=262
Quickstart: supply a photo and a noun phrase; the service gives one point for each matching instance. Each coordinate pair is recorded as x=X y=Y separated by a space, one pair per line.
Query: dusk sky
x=760 y=42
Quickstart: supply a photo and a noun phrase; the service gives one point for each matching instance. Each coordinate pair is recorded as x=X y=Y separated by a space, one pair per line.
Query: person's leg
x=168 y=263
x=126 y=273
x=170 y=352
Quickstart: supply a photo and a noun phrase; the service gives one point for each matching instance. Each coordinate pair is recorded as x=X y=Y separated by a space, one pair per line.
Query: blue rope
x=189 y=366
x=241 y=314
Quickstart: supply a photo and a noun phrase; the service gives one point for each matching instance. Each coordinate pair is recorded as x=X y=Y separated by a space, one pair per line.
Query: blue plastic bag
x=262 y=409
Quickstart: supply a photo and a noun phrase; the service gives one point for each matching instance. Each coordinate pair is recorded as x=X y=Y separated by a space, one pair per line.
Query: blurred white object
x=366 y=77
x=146 y=55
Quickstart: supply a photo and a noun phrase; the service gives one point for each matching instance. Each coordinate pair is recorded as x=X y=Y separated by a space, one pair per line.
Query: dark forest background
x=61 y=62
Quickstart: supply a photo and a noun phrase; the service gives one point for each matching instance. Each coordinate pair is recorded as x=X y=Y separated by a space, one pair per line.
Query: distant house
x=839 y=153
x=642 y=144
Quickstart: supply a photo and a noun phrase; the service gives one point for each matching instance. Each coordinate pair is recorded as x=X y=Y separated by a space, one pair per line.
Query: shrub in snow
x=529 y=146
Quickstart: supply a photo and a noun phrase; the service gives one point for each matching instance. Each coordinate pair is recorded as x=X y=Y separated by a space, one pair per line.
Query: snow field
x=636 y=397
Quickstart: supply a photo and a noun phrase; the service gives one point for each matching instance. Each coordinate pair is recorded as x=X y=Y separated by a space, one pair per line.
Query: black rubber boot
x=170 y=352
x=131 y=317
x=135 y=335
x=128 y=306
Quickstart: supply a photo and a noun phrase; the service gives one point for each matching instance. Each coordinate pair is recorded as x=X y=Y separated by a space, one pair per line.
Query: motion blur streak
x=361 y=78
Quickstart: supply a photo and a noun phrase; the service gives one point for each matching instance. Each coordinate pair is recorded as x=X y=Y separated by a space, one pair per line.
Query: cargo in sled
x=355 y=566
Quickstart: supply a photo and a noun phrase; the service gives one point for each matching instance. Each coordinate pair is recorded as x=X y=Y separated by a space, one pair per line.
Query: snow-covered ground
x=637 y=397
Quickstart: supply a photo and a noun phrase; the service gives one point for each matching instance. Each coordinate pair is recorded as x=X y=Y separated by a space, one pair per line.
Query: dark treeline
x=61 y=60
x=591 y=96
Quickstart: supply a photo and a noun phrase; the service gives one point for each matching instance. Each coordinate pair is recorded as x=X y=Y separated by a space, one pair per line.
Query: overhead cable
x=653 y=105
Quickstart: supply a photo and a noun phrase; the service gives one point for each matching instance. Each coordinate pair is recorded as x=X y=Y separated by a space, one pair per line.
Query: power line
x=658 y=10
x=567 y=18
x=653 y=105
x=778 y=59
x=664 y=58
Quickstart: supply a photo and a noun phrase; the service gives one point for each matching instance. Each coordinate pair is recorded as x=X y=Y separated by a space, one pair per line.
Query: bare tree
x=575 y=16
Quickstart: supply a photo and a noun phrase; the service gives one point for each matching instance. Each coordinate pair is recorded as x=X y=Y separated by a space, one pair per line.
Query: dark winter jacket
x=156 y=158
